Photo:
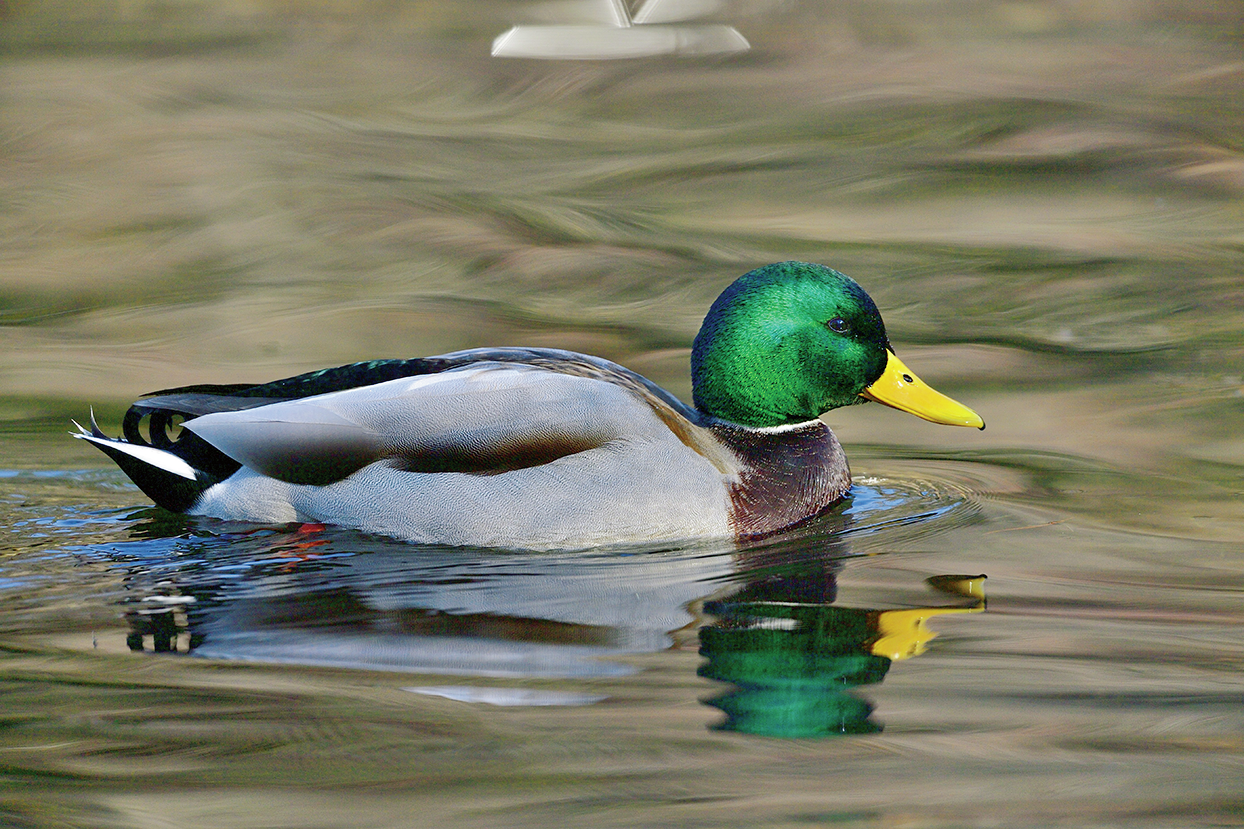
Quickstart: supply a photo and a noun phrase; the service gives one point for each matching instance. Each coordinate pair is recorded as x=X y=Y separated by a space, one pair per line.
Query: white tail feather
x=147 y=454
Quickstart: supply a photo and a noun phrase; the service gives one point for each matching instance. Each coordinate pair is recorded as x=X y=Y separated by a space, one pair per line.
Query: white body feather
x=635 y=481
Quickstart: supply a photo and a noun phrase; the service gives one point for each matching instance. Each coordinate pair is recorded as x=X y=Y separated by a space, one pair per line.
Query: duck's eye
x=838 y=325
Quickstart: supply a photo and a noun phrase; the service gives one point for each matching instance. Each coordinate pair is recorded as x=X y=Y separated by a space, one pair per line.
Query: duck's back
x=498 y=447
x=490 y=454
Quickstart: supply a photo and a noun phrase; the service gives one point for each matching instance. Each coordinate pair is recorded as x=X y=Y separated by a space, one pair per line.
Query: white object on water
x=647 y=34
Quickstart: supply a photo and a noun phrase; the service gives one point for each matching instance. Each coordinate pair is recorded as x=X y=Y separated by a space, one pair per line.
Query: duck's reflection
x=763 y=617
x=792 y=664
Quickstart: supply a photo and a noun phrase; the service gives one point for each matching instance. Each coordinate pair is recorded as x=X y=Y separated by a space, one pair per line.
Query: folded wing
x=482 y=419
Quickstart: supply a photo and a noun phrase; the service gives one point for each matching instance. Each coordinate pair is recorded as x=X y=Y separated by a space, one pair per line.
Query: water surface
x=1045 y=201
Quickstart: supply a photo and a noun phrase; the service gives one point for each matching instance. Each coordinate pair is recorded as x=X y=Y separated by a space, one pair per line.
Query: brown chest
x=787 y=475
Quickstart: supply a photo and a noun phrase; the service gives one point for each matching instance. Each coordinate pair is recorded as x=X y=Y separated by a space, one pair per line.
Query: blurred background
x=231 y=191
x=1045 y=198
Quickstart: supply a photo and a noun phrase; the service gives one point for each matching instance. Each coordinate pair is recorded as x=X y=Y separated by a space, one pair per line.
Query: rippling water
x=1044 y=199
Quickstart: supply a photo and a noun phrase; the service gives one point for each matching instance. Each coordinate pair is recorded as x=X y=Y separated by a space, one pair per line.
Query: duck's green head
x=789 y=341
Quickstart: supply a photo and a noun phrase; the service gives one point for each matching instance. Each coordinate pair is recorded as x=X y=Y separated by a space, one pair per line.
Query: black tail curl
x=167 y=488
x=162 y=423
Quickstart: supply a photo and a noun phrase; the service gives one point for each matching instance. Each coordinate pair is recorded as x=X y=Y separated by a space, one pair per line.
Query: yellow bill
x=899 y=388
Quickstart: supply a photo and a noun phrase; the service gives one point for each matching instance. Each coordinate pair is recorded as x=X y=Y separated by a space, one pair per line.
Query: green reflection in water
x=793 y=665
x=791 y=680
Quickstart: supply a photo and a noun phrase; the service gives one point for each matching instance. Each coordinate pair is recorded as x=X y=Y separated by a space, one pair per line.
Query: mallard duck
x=541 y=448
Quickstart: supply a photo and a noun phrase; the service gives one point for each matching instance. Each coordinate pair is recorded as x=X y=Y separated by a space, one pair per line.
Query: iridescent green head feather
x=784 y=344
